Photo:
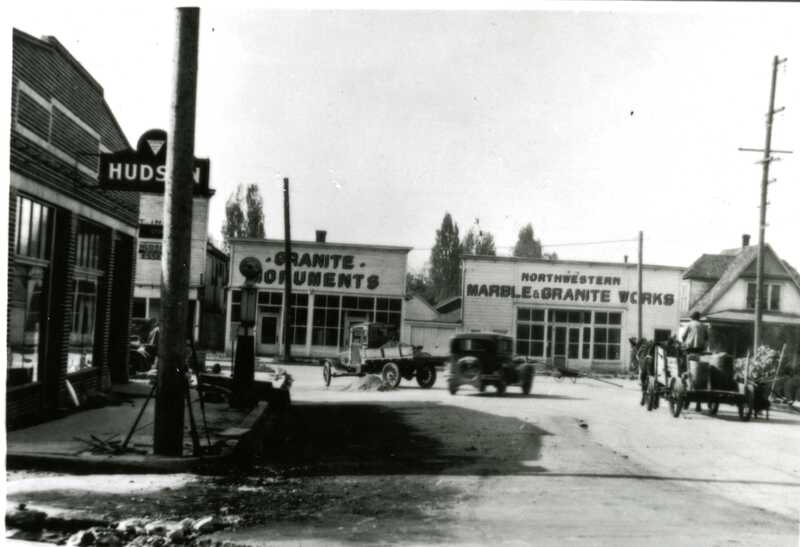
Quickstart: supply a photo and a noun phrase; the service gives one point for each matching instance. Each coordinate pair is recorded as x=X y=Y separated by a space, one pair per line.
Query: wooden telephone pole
x=762 y=220
x=177 y=241
x=288 y=315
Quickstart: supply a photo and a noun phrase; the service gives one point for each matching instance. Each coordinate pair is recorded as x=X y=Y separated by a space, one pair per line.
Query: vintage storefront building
x=722 y=289
x=573 y=313
x=71 y=245
x=334 y=285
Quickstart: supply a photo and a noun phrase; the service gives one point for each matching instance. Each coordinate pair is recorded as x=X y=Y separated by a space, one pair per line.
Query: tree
x=446 y=260
x=255 y=212
x=243 y=217
x=478 y=242
x=527 y=246
x=419 y=283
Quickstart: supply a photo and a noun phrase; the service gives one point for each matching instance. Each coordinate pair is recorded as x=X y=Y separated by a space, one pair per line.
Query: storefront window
x=85 y=297
x=325 y=323
x=367 y=308
x=28 y=297
x=26 y=304
x=299 y=318
x=84 y=313
x=607 y=335
x=139 y=308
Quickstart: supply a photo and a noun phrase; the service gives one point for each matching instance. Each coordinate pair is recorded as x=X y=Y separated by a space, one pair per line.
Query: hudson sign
x=144 y=169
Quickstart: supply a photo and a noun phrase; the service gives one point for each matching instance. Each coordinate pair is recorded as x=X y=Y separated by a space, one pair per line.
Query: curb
x=251 y=434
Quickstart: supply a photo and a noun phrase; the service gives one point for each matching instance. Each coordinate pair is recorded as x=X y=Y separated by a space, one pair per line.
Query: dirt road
x=571 y=464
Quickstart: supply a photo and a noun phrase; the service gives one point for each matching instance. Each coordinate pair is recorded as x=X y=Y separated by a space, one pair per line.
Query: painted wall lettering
x=561 y=294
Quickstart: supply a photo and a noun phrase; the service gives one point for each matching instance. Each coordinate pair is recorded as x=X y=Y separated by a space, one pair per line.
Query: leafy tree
x=446 y=260
x=478 y=242
x=255 y=212
x=420 y=283
x=528 y=246
x=244 y=217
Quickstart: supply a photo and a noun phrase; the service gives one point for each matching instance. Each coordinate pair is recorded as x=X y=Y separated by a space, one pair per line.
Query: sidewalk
x=89 y=440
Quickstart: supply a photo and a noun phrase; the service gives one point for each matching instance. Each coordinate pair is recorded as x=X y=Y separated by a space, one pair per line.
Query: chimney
x=321 y=236
x=745 y=240
x=626 y=259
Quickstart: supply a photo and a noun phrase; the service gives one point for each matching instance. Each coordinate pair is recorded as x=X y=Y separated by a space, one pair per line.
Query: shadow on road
x=401 y=439
x=512 y=395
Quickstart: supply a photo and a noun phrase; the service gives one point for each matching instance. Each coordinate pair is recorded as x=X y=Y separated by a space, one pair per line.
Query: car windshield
x=471 y=344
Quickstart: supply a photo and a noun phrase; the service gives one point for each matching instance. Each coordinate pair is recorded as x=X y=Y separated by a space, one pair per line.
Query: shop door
x=559 y=343
x=566 y=345
x=267 y=341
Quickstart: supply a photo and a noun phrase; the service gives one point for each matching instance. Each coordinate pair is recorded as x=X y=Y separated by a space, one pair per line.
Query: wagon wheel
x=426 y=376
x=326 y=373
x=391 y=375
x=746 y=407
x=677 y=398
x=713 y=408
x=649 y=395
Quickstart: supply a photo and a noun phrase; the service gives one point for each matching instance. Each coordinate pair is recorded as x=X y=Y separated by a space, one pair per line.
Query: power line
x=571 y=244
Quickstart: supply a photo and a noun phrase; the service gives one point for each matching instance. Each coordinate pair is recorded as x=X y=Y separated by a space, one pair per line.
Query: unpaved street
x=575 y=463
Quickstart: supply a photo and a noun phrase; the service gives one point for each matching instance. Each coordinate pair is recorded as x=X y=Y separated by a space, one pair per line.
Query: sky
x=590 y=121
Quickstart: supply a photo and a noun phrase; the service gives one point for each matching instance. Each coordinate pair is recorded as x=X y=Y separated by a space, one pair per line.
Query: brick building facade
x=71 y=246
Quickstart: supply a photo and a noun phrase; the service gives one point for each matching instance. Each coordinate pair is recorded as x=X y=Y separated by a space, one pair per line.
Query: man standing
x=695 y=337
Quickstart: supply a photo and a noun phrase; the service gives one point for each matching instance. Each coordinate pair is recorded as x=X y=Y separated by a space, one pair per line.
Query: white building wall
x=494 y=288
x=736 y=296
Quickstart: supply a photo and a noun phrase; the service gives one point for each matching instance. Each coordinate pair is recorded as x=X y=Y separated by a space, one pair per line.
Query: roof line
x=486 y=258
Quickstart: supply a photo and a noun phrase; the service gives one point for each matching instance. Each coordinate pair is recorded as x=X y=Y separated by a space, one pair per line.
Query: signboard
x=144 y=169
x=573 y=287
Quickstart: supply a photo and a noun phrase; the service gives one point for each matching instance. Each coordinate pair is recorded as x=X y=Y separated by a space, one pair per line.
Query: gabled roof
x=739 y=262
x=709 y=267
x=449 y=305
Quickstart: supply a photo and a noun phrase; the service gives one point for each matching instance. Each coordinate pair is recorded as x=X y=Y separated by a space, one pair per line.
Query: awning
x=733 y=316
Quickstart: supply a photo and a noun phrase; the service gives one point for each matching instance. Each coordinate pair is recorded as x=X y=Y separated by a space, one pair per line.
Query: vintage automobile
x=481 y=359
x=373 y=348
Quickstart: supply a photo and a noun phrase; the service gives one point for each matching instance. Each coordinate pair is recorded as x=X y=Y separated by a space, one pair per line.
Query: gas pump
x=244 y=359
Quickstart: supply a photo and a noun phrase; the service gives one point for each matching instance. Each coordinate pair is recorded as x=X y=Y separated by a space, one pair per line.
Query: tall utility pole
x=287 y=286
x=762 y=220
x=178 y=188
x=639 y=289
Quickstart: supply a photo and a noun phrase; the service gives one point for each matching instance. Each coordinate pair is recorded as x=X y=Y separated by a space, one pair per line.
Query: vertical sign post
x=170 y=396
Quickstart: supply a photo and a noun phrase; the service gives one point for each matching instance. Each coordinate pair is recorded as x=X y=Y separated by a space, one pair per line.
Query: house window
x=771 y=297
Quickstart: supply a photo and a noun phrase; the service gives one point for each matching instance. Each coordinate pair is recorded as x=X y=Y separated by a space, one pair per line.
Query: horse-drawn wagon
x=701 y=379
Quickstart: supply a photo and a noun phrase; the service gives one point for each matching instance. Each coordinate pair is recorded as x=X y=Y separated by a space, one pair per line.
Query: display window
x=28 y=298
x=85 y=290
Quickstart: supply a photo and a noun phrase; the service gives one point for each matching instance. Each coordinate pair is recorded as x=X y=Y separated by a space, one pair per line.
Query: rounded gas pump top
x=250 y=268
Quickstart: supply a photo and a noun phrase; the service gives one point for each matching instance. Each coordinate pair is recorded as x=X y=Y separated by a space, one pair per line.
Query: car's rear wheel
x=527 y=380
x=500 y=387
x=426 y=376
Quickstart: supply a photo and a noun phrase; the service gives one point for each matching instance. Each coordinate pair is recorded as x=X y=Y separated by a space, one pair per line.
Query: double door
x=569 y=344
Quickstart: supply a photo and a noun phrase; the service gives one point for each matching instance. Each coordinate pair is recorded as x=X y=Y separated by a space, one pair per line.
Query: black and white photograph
x=344 y=274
